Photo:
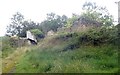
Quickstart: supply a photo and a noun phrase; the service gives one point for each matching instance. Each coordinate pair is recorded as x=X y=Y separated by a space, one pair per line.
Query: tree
x=28 y=25
x=15 y=27
x=51 y=16
x=53 y=22
x=94 y=13
x=19 y=26
x=71 y=20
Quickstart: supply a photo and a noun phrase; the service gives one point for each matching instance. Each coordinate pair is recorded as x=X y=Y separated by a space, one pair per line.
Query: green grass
x=86 y=59
x=71 y=53
x=6 y=47
x=66 y=54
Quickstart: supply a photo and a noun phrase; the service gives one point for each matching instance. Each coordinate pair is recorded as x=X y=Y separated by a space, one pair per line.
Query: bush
x=100 y=36
x=39 y=34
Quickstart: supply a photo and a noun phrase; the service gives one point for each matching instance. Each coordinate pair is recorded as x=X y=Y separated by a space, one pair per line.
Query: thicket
x=94 y=37
x=77 y=53
x=100 y=36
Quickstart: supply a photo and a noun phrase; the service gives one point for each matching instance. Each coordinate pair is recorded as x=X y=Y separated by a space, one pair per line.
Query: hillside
x=69 y=53
x=86 y=42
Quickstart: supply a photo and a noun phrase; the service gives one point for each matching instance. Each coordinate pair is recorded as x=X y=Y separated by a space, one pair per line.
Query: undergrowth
x=95 y=51
x=61 y=59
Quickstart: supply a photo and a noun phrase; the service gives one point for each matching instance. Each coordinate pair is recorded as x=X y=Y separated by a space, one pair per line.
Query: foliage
x=71 y=20
x=19 y=26
x=96 y=14
x=39 y=34
x=16 y=25
x=118 y=27
x=93 y=15
x=95 y=36
x=53 y=22
x=102 y=35
x=77 y=53
x=28 y=25
x=94 y=51
x=36 y=31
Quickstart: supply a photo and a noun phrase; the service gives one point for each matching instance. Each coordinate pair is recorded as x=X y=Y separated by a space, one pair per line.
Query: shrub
x=100 y=36
x=39 y=34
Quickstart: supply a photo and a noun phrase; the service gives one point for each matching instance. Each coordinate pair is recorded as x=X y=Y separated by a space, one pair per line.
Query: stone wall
x=50 y=33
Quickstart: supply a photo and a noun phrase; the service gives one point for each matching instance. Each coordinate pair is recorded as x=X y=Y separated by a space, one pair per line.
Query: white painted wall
x=31 y=36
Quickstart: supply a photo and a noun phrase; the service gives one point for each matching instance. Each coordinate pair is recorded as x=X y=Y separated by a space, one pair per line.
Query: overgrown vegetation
x=8 y=46
x=92 y=51
x=39 y=34
x=70 y=57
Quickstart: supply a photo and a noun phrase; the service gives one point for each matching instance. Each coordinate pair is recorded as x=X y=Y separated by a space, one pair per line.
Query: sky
x=36 y=10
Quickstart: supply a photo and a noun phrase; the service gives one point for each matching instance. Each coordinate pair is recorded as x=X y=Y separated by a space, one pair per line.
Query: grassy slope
x=6 y=47
x=53 y=55
x=9 y=63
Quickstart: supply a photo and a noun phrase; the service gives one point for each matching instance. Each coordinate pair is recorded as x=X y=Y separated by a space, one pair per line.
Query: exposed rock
x=50 y=33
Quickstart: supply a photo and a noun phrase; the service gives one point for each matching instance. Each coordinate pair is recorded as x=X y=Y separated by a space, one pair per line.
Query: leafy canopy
x=97 y=13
